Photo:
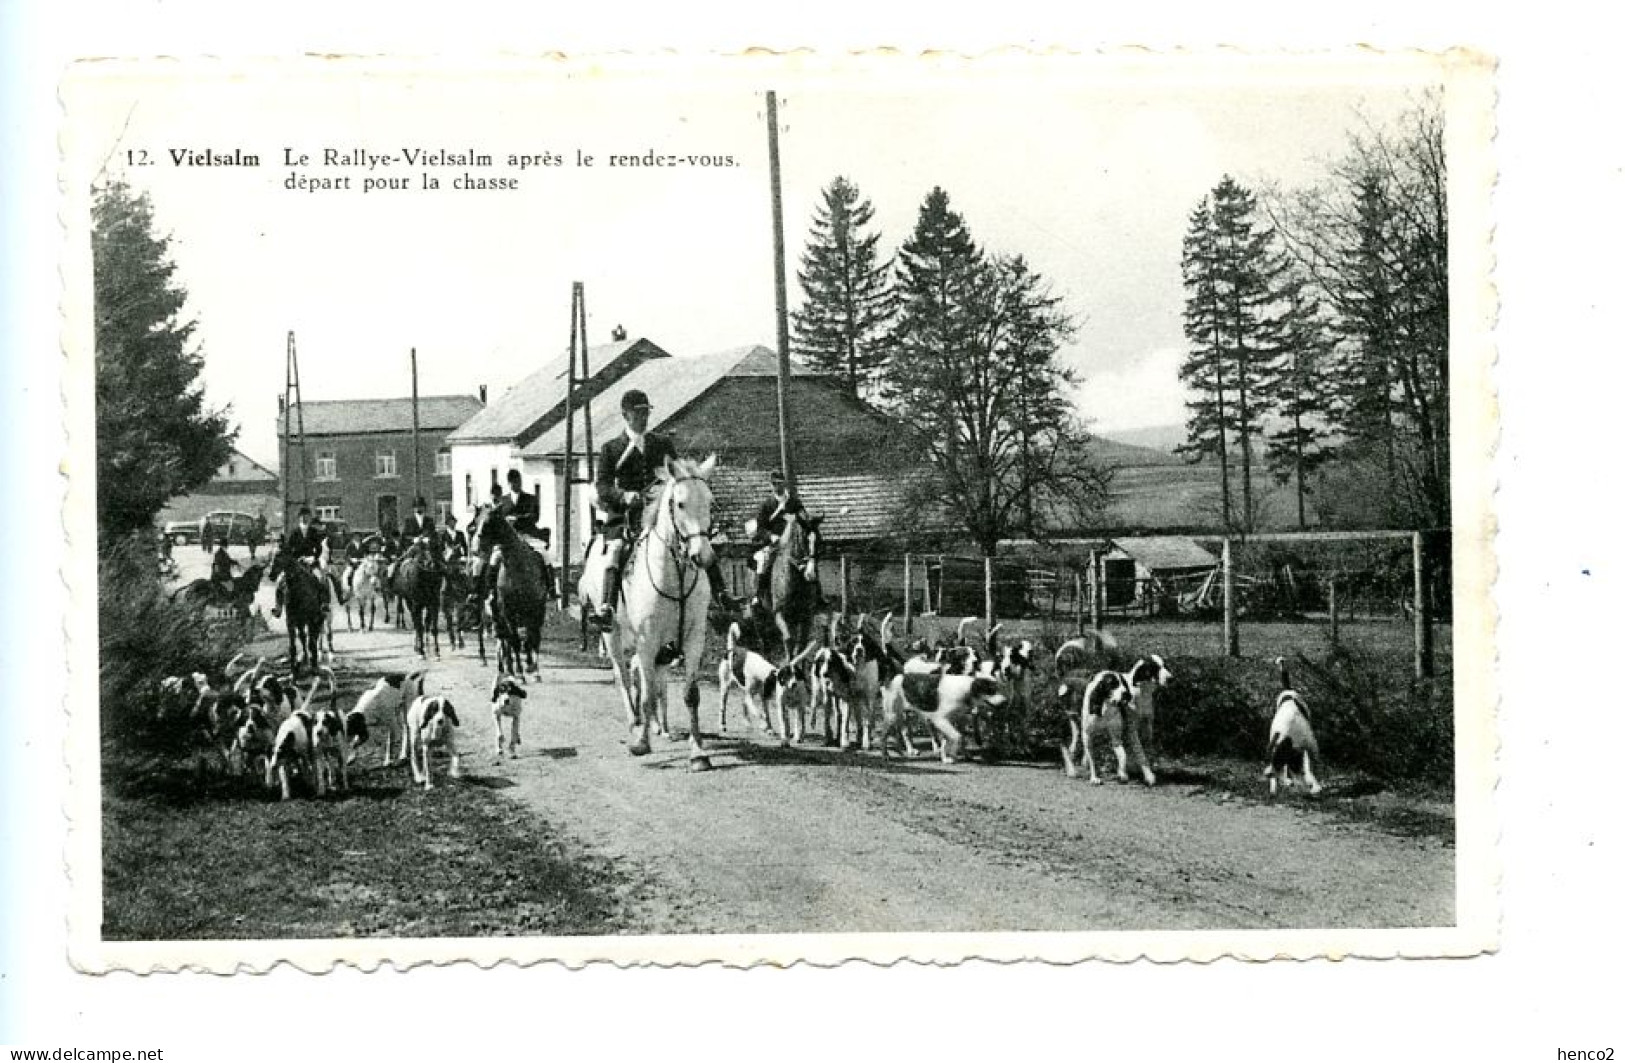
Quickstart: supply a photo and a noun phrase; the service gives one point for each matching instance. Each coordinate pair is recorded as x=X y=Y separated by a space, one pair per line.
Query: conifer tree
x=154 y=436
x=847 y=308
x=1299 y=394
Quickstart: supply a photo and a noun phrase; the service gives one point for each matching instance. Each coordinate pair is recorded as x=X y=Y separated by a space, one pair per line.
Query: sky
x=1088 y=169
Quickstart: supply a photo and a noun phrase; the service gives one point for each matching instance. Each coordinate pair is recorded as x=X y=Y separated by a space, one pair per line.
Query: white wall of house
x=471 y=467
x=545 y=477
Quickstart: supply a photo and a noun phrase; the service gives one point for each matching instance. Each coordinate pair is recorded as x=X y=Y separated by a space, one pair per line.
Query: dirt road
x=809 y=839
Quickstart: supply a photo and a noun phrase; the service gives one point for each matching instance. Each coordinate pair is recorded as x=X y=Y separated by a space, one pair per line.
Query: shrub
x=143 y=636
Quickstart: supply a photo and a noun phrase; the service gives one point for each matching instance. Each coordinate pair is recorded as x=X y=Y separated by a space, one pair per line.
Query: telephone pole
x=780 y=299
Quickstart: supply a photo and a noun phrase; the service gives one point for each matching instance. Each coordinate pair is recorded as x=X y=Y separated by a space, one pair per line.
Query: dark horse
x=238 y=598
x=305 y=601
x=795 y=592
x=518 y=593
x=460 y=600
x=416 y=586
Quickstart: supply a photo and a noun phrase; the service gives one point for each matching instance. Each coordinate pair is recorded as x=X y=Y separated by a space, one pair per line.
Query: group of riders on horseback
x=629 y=468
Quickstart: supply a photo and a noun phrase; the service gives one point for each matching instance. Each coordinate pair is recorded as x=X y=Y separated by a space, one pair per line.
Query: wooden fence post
x=1054 y=597
x=908 y=594
x=1077 y=596
x=1422 y=608
x=1331 y=606
x=846 y=586
x=942 y=581
x=987 y=590
x=1232 y=638
x=1097 y=589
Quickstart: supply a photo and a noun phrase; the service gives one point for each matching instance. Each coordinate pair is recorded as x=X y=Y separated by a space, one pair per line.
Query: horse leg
x=693 y=640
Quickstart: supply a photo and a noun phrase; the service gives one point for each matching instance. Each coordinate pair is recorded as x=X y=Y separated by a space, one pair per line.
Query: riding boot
x=605 y=615
x=720 y=598
x=764 y=584
x=276 y=610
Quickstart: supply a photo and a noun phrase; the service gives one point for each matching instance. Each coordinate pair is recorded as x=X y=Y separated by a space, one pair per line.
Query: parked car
x=224 y=526
x=184 y=532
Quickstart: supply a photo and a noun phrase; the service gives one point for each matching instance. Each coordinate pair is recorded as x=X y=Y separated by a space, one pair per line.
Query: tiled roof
x=873 y=502
x=355 y=416
x=540 y=395
x=671 y=384
x=1159 y=552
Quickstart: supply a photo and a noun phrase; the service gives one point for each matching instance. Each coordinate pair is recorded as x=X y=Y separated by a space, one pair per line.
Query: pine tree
x=974 y=370
x=847 y=308
x=154 y=437
x=1232 y=271
x=1299 y=394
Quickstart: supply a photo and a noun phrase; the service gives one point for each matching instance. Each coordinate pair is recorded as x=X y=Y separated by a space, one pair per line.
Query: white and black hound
x=431 y=722
x=1100 y=703
x=1292 y=738
x=507 y=703
x=767 y=687
x=1145 y=680
x=382 y=707
x=293 y=750
x=946 y=701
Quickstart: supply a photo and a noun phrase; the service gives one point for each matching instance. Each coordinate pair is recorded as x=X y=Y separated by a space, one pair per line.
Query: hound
x=944 y=701
x=383 y=706
x=1148 y=676
x=1292 y=739
x=1091 y=645
x=1101 y=704
x=431 y=721
x=1012 y=666
x=750 y=673
x=507 y=703
x=294 y=748
x=254 y=743
x=834 y=681
x=870 y=668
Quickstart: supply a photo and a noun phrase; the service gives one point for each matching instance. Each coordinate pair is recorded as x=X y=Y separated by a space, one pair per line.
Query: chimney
x=482 y=394
x=281 y=405
x=618 y=334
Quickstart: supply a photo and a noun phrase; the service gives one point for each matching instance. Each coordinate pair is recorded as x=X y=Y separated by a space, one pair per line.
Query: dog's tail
x=734 y=635
x=1286 y=677
x=959 y=633
x=1090 y=644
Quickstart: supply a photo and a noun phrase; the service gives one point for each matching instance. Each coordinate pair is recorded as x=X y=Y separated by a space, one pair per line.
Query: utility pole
x=293 y=414
x=578 y=343
x=417 y=459
x=780 y=298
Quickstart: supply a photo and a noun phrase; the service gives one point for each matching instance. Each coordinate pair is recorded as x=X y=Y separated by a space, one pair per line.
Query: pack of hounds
x=873 y=694
x=257 y=722
x=869 y=692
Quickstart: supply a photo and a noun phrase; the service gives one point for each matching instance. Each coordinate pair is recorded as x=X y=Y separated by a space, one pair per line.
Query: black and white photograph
x=769 y=509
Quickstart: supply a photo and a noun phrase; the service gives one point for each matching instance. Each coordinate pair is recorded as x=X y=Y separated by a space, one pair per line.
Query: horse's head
x=482 y=529
x=801 y=536
x=686 y=504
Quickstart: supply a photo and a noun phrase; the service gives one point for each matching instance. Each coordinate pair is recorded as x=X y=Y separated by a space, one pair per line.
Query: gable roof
x=527 y=406
x=356 y=416
x=1159 y=552
x=240 y=468
x=671 y=384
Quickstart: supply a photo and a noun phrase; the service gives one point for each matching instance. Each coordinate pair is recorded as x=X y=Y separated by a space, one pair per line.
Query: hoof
x=700 y=763
x=638 y=749
x=1095 y=782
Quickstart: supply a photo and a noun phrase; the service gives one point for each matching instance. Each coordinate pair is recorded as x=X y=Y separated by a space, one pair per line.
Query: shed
x=1132 y=563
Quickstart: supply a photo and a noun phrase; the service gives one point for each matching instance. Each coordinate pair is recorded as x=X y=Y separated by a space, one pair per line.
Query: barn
x=241 y=485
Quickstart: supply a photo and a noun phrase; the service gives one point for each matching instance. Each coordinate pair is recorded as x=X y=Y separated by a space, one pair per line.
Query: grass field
x=223 y=860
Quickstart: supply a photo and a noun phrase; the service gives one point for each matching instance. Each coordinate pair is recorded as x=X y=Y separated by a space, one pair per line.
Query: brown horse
x=518 y=593
x=305 y=599
x=795 y=584
x=238 y=596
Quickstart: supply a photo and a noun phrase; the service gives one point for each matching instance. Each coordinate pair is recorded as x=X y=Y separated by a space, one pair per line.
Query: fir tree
x=847 y=307
x=1299 y=394
x=154 y=437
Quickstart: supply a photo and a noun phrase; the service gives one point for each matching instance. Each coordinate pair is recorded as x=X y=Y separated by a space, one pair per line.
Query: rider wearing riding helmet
x=304 y=543
x=627 y=468
x=767 y=529
x=417 y=535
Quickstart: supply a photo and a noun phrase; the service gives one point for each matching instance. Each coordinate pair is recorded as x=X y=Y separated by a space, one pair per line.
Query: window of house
x=327 y=465
x=442 y=510
x=383 y=463
x=327 y=509
x=468 y=490
x=442 y=463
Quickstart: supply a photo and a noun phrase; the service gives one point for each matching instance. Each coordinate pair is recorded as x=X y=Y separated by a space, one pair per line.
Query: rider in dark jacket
x=771 y=518
x=627 y=468
x=305 y=542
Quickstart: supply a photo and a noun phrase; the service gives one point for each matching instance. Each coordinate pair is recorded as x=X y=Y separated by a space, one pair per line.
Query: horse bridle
x=674 y=548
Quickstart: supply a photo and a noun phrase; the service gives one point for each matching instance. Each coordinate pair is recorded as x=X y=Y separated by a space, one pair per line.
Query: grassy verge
x=222 y=861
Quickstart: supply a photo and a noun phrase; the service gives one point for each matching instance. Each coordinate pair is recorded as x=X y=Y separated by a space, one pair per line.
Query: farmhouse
x=724 y=404
x=489 y=443
x=359 y=465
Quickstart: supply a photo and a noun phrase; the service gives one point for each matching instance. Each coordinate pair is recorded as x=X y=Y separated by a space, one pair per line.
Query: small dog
x=431 y=722
x=1148 y=676
x=1292 y=738
x=330 y=752
x=1101 y=704
x=945 y=701
x=507 y=703
x=765 y=686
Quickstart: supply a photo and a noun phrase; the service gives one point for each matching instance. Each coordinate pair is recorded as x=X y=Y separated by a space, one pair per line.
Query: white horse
x=366 y=588
x=666 y=597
